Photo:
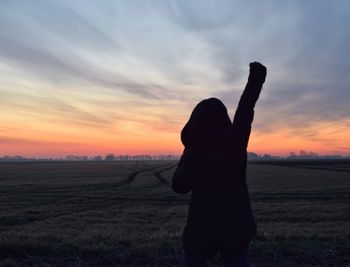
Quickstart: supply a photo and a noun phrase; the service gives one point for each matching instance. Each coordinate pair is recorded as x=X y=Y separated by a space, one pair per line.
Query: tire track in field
x=159 y=175
x=133 y=175
x=131 y=168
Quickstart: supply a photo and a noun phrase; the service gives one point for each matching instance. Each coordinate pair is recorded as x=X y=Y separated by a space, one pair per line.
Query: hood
x=209 y=124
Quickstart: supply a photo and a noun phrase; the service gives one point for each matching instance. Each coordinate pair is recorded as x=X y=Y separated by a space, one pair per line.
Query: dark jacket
x=213 y=167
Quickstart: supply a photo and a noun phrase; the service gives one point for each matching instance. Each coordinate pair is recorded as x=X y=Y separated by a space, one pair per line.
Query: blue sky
x=137 y=68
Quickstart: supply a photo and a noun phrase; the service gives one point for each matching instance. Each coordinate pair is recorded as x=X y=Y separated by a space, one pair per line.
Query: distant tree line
x=112 y=157
x=292 y=155
x=108 y=157
x=310 y=155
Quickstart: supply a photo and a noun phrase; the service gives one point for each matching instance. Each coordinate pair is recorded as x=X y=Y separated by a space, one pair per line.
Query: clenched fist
x=257 y=72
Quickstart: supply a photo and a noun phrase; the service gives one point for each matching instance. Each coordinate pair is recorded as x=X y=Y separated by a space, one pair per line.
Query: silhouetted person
x=213 y=167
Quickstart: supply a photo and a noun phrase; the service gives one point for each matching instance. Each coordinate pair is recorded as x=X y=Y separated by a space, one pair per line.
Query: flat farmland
x=123 y=213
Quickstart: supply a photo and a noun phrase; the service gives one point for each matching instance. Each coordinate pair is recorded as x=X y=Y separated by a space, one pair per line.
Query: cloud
x=29 y=50
x=53 y=68
x=151 y=62
x=203 y=15
x=47 y=107
x=305 y=51
x=54 y=22
x=7 y=140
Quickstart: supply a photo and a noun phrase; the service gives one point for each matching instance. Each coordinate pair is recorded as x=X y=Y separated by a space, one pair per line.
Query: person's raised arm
x=245 y=111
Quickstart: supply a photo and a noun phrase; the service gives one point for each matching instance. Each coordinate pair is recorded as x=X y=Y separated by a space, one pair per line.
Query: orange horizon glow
x=33 y=132
x=58 y=142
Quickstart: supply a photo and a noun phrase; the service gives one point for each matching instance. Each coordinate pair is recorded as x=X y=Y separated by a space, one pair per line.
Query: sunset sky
x=93 y=77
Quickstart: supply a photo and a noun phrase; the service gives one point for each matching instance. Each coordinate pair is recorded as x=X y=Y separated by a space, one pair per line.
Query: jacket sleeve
x=181 y=181
x=245 y=112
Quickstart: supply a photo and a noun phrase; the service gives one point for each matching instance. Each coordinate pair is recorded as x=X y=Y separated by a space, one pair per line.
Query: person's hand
x=257 y=72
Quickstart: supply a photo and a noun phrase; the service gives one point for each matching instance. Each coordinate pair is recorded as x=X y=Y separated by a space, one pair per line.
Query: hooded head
x=208 y=125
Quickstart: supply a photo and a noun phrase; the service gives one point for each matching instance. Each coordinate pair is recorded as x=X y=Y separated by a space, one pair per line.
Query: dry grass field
x=125 y=214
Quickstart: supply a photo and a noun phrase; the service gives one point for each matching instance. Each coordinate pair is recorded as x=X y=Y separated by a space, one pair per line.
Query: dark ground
x=124 y=214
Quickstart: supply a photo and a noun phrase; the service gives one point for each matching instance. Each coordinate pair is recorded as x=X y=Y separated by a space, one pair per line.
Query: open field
x=125 y=214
